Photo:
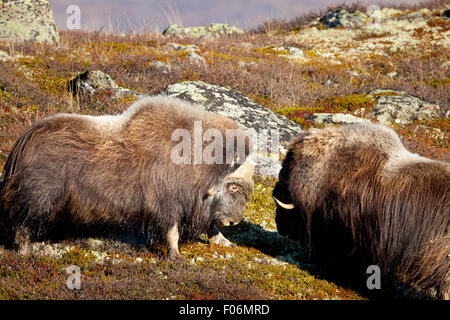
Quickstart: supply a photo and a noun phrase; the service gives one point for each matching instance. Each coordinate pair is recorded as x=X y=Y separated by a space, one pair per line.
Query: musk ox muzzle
x=68 y=172
x=355 y=196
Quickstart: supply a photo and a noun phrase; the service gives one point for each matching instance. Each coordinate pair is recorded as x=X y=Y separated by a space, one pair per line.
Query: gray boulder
x=213 y=30
x=27 y=20
x=397 y=106
x=343 y=18
x=273 y=131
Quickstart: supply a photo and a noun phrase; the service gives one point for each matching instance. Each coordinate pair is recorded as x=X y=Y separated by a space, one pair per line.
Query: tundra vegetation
x=337 y=71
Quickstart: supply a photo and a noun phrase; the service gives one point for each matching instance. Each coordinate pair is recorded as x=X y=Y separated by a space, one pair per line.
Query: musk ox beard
x=355 y=196
x=69 y=172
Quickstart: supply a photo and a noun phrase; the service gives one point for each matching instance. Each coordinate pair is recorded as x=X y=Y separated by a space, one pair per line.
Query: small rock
x=89 y=82
x=246 y=64
x=445 y=65
x=165 y=67
x=197 y=59
x=4 y=56
x=392 y=74
x=335 y=118
x=293 y=51
x=181 y=47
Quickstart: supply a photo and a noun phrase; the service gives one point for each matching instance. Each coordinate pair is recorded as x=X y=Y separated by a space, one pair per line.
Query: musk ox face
x=231 y=196
x=229 y=202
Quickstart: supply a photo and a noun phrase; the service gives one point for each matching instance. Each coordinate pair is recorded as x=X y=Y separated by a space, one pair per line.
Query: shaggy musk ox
x=354 y=195
x=72 y=171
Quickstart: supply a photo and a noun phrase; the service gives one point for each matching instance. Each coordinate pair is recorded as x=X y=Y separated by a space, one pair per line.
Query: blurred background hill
x=124 y=15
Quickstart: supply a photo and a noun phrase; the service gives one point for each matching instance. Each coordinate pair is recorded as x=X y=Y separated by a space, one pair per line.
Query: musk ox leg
x=172 y=243
x=22 y=240
x=216 y=237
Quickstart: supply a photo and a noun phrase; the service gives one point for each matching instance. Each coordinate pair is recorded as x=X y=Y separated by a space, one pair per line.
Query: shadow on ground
x=271 y=243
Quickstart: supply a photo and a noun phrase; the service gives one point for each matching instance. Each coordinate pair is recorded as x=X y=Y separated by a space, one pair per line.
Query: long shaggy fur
x=69 y=171
x=361 y=197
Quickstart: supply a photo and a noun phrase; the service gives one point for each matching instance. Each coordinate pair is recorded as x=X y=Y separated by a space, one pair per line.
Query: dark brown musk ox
x=354 y=195
x=73 y=171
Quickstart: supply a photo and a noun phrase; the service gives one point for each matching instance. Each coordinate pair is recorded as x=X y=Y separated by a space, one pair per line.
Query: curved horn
x=289 y=206
x=211 y=192
x=245 y=171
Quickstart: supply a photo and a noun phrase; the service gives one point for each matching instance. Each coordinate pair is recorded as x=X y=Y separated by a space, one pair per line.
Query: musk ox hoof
x=22 y=241
x=221 y=240
x=175 y=257
x=23 y=249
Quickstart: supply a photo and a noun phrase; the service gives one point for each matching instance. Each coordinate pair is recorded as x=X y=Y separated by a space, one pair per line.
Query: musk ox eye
x=233 y=188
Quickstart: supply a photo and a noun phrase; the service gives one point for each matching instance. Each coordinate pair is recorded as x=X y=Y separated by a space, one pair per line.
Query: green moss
x=349 y=103
x=271 y=50
x=79 y=257
x=289 y=111
x=386 y=93
x=310 y=53
x=299 y=115
x=439 y=83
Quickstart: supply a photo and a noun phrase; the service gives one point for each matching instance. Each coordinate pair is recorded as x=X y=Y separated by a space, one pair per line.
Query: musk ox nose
x=226 y=222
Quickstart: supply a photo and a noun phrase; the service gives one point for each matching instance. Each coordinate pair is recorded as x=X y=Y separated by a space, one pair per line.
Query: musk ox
x=355 y=195
x=72 y=171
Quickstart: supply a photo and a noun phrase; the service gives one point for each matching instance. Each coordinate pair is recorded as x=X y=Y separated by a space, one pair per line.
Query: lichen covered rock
x=248 y=114
x=91 y=82
x=397 y=106
x=335 y=118
x=343 y=18
x=181 y=47
x=28 y=20
x=213 y=30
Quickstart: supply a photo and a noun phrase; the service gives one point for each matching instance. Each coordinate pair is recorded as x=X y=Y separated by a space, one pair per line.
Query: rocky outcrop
x=343 y=18
x=272 y=130
x=397 y=106
x=92 y=82
x=213 y=30
x=27 y=20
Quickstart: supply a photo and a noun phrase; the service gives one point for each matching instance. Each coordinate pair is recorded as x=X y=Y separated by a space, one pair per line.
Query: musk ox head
x=230 y=197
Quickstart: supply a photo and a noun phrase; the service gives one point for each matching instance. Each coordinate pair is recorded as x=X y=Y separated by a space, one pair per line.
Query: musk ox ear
x=289 y=206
